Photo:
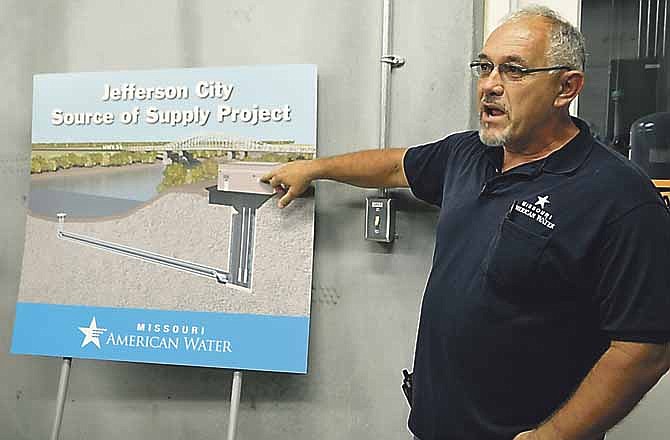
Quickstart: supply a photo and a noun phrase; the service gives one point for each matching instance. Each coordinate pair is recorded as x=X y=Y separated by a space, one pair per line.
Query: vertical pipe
x=243 y=238
x=60 y=399
x=639 y=32
x=611 y=32
x=658 y=20
x=665 y=26
x=647 y=45
x=234 y=404
x=385 y=80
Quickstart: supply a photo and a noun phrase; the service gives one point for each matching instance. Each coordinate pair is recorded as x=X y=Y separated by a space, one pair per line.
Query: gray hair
x=566 y=42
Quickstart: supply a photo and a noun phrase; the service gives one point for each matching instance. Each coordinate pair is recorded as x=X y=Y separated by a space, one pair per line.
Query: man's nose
x=492 y=84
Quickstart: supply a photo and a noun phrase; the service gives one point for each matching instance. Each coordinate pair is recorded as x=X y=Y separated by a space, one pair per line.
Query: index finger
x=266 y=178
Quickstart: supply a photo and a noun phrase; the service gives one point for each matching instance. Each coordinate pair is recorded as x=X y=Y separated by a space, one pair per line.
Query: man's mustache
x=486 y=102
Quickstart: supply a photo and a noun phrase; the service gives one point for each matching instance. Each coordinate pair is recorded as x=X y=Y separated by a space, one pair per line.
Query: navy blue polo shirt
x=535 y=271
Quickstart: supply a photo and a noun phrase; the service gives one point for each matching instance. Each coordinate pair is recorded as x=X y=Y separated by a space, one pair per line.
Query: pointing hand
x=293 y=178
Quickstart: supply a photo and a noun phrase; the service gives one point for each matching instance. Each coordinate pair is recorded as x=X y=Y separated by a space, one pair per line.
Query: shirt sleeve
x=425 y=167
x=633 y=276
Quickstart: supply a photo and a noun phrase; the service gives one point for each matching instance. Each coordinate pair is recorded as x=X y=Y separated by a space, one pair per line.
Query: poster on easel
x=149 y=237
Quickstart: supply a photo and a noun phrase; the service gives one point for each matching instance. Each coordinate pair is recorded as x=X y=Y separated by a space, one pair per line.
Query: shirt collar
x=565 y=160
x=572 y=155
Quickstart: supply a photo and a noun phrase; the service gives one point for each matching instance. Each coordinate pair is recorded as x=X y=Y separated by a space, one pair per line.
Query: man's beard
x=493 y=139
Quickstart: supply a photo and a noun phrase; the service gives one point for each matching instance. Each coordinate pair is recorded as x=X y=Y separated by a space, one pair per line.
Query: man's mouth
x=492 y=112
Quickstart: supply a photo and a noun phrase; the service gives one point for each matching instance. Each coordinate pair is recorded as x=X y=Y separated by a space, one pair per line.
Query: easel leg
x=234 y=404
x=60 y=399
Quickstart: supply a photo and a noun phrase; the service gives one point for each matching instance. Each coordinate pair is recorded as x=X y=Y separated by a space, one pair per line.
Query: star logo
x=542 y=200
x=92 y=333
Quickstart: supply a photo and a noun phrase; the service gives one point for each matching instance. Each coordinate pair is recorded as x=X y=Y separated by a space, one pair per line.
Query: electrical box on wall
x=380 y=219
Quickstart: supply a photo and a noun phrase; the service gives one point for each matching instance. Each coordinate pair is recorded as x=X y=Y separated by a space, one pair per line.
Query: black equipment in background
x=633 y=91
x=650 y=145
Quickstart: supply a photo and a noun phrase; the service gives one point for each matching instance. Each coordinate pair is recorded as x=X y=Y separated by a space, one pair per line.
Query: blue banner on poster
x=251 y=342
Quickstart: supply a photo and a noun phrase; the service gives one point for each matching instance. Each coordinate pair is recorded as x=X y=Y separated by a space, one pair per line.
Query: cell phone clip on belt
x=407 y=383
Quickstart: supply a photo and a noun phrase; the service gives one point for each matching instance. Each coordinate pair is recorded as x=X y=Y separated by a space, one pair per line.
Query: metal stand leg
x=62 y=394
x=234 y=404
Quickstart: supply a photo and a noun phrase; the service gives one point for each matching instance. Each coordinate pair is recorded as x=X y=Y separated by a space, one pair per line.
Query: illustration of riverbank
x=80 y=171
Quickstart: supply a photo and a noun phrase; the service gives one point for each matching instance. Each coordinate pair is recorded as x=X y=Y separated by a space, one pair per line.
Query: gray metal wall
x=366 y=297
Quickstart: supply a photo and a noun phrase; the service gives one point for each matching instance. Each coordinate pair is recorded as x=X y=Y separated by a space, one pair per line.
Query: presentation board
x=149 y=237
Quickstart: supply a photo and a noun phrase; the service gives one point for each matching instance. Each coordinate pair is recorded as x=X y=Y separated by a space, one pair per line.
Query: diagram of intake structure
x=189 y=230
x=239 y=187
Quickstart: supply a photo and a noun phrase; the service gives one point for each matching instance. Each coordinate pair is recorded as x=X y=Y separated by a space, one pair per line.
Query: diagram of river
x=94 y=192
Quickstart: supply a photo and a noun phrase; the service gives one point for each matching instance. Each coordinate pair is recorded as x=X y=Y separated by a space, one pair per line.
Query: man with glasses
x=547 y=310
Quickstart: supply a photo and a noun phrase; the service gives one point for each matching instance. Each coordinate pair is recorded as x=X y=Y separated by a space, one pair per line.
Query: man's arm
x=369 y=169
x=615 y=384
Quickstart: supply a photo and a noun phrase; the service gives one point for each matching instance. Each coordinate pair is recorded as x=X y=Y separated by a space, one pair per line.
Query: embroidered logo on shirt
x=535 y=212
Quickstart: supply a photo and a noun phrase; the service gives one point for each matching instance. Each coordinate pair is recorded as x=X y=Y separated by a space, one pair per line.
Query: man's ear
x=572 y=82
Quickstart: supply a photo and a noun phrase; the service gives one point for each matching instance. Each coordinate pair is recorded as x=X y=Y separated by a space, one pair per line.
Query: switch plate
x=379 y=219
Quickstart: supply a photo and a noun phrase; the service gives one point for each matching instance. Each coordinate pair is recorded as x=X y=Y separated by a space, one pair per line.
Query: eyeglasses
x=508 y=71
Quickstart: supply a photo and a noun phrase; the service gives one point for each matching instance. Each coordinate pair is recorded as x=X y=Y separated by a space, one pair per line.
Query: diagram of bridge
x=215 y=142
